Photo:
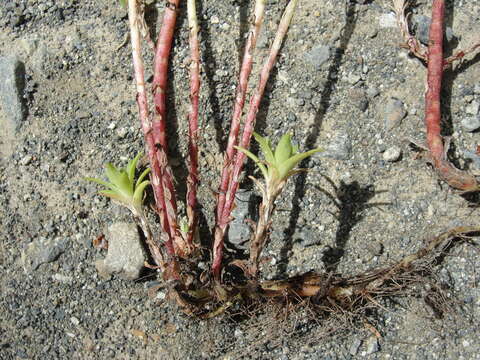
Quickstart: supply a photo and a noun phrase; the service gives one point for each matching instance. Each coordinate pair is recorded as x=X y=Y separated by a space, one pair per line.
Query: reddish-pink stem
x=192 y=180
x=160 y=74
x=147 y=129
x=434 y=80
x=241 y=93
x=225 y=217
x=159 y=87
x=453 y=176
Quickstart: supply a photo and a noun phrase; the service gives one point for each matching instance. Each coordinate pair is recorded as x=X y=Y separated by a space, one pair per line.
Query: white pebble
x=392 y=154
x=387 y=20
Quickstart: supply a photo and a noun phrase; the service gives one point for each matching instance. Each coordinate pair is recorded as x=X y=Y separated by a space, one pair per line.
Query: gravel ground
x=342 y=82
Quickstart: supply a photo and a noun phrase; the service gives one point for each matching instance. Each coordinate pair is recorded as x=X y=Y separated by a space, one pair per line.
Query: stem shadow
x=326 y=95
x=350 y=199
x=208 y=58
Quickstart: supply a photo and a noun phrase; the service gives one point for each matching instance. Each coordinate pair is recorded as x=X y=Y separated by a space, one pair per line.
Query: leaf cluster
x=122 y=187
x=280 y=162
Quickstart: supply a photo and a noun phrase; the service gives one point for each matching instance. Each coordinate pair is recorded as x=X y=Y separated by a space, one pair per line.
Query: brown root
x=326 y=292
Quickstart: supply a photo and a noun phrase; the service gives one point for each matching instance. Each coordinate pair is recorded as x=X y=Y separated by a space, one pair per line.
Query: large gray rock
x=42 y=251
x=125 y=256
x=12 y=84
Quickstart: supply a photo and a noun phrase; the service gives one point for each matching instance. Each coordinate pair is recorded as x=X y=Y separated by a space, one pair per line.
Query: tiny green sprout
x=280 y=163
x=123 y=3
x=184 y=226
x=122 y=186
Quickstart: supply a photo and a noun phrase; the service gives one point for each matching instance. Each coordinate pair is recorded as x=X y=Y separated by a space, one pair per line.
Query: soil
x=352 y=211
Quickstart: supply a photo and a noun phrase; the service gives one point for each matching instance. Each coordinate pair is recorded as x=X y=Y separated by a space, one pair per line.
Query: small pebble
x=372 y=92
x=372 y=345
x=472 y=108
x=470 y=124
x=352 y=79
x=359 y=99
x=339 y=148
x=394 y=113
x=387 y=20
x=318 y=55
x=161 y=295
x=392 y=154
x=27 y=159
x=122 y=132
x=355 y=346
x=473 y=157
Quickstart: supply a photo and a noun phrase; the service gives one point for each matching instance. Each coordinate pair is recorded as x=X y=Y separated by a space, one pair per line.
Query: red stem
x=160 y=72
x=252 y=114
x=241 y=93
x=147 y=129
x=434 y=80
x=159 y=88
x=225 y=217
x=454 y=177
x=192 y=180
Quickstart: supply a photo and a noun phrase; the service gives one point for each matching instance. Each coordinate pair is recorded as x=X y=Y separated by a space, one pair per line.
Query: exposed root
x=326 y=293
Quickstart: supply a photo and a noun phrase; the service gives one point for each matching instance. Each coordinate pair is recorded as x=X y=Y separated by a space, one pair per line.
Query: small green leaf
x=139 y=190
x=294 y=149
x=285 y=167
x=184 y=226
x=254 y=158
x=132 y=165
x=115 y=196
x=142 y=176
x=123 y=3
x=112 y=172
x=284 y=149
x=122 y=186
x=264 y=143
x=123 y=183
x=101 y=182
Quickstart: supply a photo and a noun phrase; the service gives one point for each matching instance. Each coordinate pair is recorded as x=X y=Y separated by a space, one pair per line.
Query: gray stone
x=125 y=256
x=318 y=55
x=387 y=20
x=239 y=231
x=392 y=154
x=359 y=99
x=372 y=345
x=471 y=124
x=40 y=59
x=12 y=84
x=372 y=92
x=473 y=157
x=308 y=237
x=476 y=89
x=394 y=113
x=29 y=46
x=339 y=148
x=422 y=28
x=353 y=350
x=352 y=79
x=472 y=108
x=41 y=251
